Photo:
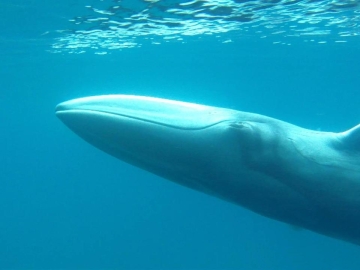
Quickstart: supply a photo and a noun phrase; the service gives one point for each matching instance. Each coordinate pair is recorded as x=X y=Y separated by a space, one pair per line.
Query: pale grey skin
x=306 y=178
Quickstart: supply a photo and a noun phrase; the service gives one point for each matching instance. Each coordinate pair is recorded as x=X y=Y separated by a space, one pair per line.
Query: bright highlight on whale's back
x=305 y=178
x=167 y=112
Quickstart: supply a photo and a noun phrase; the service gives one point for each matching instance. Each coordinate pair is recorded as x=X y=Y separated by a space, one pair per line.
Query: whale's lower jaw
x=273 y=168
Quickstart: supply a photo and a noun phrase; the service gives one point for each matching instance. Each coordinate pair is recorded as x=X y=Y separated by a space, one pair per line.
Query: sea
x=66 y=205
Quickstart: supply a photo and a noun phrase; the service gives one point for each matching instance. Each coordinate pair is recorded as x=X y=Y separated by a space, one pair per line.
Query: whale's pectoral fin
x=351 y=138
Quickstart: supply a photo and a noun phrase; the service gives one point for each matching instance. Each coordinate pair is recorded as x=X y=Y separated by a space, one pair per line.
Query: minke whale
x=306 y=178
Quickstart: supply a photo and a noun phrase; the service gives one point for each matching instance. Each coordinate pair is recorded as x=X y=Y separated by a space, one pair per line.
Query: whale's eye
x=240 y=125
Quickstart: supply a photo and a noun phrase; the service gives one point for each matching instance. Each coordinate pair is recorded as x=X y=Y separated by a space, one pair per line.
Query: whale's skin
x=306 y=178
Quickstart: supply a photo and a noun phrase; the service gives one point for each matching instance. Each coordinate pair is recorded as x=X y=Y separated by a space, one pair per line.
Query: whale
x=306 y=178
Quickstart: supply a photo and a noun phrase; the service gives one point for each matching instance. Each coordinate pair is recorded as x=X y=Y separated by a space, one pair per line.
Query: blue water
x=65 y=204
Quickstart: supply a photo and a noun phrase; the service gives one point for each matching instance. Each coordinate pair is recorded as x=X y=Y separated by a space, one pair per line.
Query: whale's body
x=306 y=178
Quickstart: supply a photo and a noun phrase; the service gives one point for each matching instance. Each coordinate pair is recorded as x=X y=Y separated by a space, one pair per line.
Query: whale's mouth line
x=58 y=112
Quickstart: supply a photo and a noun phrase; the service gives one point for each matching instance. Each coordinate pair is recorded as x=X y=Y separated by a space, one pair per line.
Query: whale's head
x=162 y=136
x=210 y=149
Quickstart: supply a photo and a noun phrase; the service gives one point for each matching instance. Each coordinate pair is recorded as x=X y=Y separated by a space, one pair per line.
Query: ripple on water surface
x=114 y=25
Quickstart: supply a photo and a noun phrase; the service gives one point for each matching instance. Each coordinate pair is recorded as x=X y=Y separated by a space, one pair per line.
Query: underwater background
x=65 y=204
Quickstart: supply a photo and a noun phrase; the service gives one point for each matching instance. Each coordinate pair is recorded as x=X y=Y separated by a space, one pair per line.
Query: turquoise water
x=65 y=204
